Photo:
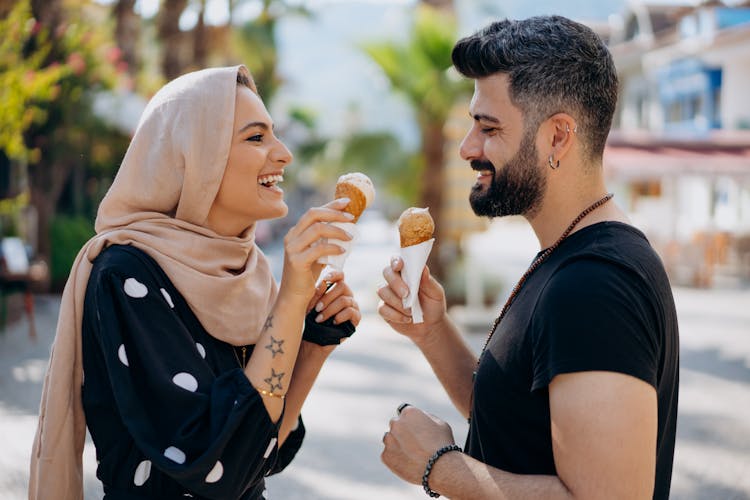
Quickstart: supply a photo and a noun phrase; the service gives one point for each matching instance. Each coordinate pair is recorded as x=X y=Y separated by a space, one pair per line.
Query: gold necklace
x=535 y=265
x=244 y=353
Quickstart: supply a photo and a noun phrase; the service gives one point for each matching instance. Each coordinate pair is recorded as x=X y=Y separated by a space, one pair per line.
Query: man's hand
x=431 y=297
x=414 y=436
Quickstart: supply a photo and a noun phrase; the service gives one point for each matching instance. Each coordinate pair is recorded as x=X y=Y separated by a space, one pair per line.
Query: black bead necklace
x=538 y=262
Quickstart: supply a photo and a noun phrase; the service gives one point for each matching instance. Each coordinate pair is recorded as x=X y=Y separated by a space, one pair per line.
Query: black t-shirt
x=601 y=301
x=170 y=411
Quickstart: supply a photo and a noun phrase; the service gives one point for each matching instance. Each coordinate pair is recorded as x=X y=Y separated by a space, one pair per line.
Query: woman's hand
x=308 y=241
x=431 y=297
x=334 y=298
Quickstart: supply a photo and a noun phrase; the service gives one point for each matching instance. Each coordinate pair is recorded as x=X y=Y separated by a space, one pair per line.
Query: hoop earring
x=553 y=166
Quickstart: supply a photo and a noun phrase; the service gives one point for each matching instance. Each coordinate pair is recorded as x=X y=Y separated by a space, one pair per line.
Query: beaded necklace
x=538 y=262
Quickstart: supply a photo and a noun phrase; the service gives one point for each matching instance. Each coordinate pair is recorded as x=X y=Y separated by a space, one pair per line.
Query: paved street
x=374 y=371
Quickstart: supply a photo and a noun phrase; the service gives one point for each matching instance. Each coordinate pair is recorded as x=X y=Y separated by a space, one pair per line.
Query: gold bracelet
x=270 y=393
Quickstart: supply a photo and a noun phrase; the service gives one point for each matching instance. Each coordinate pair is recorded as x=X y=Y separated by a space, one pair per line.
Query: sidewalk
x=376 y=370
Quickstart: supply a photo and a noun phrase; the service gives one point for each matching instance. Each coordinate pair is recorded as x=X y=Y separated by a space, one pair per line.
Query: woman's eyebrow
x=262 y=125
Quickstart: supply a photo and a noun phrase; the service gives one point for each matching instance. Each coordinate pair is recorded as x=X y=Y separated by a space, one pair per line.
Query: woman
x=195 y=365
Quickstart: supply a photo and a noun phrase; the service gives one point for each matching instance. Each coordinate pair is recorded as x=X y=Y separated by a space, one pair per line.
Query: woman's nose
x=281 y=154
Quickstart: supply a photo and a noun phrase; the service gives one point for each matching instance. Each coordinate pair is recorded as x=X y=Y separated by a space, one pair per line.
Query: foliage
x=27 y=83
x=53 y=74
x=381 y=156
x=72 y=137
x=67 y=234
x=420 y=68
x=256 y=44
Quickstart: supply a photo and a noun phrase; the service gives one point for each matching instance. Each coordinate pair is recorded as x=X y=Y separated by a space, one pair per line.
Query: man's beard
x=517 y=189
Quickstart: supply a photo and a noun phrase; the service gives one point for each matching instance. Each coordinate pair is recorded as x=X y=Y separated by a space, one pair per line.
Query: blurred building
x=679 y=153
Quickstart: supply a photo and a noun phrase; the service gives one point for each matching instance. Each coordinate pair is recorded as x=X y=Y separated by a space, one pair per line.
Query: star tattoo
x=268 y=324
x=275 y=347
x=274 y=376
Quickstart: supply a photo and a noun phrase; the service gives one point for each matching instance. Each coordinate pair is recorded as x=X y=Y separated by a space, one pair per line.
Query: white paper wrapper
x=337 y=261
x=415 y=258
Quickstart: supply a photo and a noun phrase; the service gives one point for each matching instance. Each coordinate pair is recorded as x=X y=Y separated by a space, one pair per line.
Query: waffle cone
x=358 y=200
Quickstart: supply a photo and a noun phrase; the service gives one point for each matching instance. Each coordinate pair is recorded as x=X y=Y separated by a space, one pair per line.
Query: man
x=575 y=394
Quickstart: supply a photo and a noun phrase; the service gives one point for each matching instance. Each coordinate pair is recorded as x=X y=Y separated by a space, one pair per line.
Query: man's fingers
x=393 y=316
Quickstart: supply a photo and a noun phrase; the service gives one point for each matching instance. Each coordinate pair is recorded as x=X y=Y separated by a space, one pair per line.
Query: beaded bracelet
x=431 y=462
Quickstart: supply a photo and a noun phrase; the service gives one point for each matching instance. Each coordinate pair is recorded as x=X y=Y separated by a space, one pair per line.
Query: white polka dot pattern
x=142 y=473
x=186 y=381
x=167 y=298
x=201 y=349
x=122 y=355
x=175 y=454
x=215 y=473
x=135 y=288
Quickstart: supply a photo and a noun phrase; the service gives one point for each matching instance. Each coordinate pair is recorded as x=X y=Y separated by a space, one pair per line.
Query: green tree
x=69 y=145
x=419 y=70
x=27 y=83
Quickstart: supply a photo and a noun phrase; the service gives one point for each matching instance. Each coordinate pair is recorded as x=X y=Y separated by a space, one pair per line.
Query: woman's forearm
x=275 y=354
x=309 y=362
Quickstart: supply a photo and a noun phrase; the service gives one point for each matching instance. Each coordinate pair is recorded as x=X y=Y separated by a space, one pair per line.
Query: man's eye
x=488 y=130
x=255 y=138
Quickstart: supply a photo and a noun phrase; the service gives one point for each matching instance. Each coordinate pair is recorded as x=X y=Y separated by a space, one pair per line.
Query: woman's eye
x=255 y=138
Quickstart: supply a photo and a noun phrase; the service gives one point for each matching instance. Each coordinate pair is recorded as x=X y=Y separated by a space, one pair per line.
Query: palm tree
x=419 y=70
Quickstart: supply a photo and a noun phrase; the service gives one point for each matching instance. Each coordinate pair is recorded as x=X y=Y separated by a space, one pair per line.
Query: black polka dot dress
x=170 y=411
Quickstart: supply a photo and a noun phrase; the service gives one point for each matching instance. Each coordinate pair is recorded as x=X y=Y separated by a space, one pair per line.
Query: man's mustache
x=479 y=165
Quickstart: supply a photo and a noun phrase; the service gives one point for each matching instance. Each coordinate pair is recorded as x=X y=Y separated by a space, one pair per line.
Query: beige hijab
x=158 y=203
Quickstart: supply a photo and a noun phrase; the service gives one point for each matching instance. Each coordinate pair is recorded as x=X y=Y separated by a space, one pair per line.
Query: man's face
x=511 y=178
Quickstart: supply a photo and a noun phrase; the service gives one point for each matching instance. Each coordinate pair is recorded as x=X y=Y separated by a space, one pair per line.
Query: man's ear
x=560 y=134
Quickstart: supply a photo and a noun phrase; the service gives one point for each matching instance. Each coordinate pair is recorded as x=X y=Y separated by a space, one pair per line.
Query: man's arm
x=437 y=337
x=603 y=428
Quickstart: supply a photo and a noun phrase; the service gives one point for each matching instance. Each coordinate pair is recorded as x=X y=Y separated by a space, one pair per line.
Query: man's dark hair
x=553 y=65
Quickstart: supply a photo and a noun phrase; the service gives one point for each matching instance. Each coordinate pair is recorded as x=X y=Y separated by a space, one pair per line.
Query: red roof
x=643 y=156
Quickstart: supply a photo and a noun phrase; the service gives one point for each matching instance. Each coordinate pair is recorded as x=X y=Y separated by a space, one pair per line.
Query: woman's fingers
x=333 y=307
x=330 y=212
x=313 y=234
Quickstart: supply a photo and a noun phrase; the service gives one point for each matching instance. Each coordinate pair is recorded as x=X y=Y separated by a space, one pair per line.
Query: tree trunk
x=127 y=31
x=47 y=183
x=433 y=144
x=171 y=38
x=200 y=39
x=440 y=4
x=49 y=13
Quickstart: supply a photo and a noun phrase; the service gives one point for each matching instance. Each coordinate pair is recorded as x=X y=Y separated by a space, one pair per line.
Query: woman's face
x=249 y=190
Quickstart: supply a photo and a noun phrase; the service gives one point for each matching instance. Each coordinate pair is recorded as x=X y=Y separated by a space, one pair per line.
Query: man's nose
x=471 y=146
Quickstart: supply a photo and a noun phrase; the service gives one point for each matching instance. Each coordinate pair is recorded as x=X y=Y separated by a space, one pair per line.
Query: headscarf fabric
x=158 y=202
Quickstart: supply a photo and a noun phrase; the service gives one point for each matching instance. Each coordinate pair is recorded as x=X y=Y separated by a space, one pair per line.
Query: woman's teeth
x=270 y=180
